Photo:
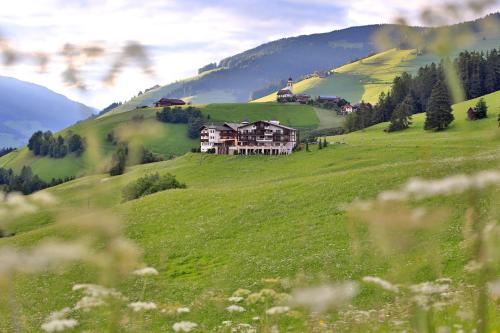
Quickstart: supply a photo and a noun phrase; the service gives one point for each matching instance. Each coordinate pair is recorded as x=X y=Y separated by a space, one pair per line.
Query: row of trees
x=191 y=116
x=46 y=144
x=427 y=92
x=479 y=72
x=5 y=151
x=25 y=182
x=329 y=105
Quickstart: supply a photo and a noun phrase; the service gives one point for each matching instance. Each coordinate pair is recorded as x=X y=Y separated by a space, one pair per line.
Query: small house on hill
x=303 y=98
x=346 y=109
x=169 y=102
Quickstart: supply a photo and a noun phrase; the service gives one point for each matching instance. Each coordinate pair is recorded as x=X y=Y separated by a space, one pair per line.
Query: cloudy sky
x=179 y=35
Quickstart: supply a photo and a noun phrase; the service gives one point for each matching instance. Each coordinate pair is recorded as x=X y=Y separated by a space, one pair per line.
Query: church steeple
x=289 y=85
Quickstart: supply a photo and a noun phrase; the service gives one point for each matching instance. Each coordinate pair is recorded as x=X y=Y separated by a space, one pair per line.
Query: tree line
x=6 y=150
x=47 y=144
x=26 y=182
x=427 y=91
x=191 y=116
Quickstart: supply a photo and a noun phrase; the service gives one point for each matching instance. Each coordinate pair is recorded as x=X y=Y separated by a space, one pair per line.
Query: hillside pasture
x=246 y=220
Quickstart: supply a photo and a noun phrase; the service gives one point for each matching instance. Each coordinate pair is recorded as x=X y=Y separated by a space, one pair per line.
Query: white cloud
x=183 y=35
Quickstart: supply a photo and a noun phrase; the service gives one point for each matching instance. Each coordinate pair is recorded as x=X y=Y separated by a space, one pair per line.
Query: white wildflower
x=138 y=306
x=184 y=326
x=277 y=310
x=256 y=318
x=381 y=283
x=183 y=310
x=421 y=189
x=429 y=288
x=59 y=314
x=96 y=290
x=494 y=288
x=43 y=198
x=59 y=325
x=323 y=297
x=235 y=299
x=227 y=323
x=87 y=302
x=235 y=308
x=245 y=328
x=146 y=271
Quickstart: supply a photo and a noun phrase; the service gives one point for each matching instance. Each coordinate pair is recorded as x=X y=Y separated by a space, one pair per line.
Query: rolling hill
x=26 y=107
x=235 y=78
x=161 y=138
x=244 y=222
x=365 y=79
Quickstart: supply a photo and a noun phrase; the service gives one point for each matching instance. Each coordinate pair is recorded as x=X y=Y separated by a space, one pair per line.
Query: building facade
x=257 y=138
x=164 y=102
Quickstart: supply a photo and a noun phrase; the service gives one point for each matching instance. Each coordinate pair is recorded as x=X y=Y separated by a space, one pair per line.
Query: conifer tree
x=438 y=114
x=401 y=118
x=481 y=109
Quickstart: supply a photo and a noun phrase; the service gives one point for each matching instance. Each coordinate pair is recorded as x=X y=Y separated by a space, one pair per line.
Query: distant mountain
x=234 y=79
x=26 y=107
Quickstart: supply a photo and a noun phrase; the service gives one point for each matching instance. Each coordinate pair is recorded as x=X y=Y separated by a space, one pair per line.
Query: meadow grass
x=245 y=219
x=165 y=139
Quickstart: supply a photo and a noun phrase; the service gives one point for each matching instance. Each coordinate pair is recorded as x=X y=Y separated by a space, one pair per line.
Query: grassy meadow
x=161 y=138
x=264 y=223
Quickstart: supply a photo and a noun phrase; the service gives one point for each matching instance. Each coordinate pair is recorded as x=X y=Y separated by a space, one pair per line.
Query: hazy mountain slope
x=236 y=77
x=365 y=79
x=26 y=107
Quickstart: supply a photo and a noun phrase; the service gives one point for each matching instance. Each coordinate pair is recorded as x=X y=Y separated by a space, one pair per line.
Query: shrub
x=150 y=184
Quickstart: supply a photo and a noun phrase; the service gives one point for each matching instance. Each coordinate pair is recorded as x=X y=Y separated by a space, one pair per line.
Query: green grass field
x=245 y=219
x=161 y=138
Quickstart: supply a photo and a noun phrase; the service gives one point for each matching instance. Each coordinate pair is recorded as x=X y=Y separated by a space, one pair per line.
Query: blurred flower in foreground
x=184 y=326
x=321 y=298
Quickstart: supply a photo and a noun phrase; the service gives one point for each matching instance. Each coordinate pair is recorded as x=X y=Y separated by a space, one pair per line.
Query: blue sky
x=180 y=35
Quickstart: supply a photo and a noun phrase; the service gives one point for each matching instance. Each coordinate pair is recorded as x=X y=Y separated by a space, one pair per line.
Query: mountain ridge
x=26 y=107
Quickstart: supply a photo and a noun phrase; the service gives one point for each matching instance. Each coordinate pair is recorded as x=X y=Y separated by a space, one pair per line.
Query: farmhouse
x=169 y=102
x=345 y=109
x=257 y=138
x=302 y=98
x=284 y=94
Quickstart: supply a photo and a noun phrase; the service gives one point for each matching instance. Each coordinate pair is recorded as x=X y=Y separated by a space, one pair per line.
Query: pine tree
x=439 y=114
x=481 y=109
x=401 y=118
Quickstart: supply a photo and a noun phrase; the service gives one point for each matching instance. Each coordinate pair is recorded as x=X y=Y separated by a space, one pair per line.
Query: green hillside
x=367 y=78
x=161 y=138
x=245 y=220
